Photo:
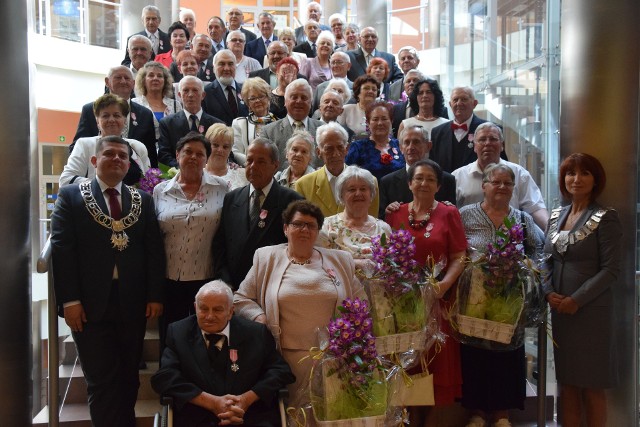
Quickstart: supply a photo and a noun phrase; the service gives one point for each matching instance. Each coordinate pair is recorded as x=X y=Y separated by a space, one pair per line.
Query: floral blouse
x=336 y=235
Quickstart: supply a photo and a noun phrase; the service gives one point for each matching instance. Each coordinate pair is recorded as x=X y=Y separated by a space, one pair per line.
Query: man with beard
x=222 y=98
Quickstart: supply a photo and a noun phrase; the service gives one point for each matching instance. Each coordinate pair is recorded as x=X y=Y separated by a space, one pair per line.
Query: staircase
x=75 y=410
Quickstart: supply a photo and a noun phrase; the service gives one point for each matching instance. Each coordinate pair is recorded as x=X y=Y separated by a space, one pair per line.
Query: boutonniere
x=404 y=96
x=199 y=198
x=334 y=277
x=161 y=44
x=263 y=216
x=201 y=129
x=470 y=138
x=240 y=98
x=395 y=153
x=208 y=73
x=385 y=158
x=133 y=119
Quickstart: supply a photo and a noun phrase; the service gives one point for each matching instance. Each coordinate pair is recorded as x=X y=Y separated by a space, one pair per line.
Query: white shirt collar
x=305 y=121
x=104 y=186
x=265 y=189
x=188 y=114
x=224 y=332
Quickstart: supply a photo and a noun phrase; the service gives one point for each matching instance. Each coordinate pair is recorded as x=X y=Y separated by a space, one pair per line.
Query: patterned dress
x=336 y=235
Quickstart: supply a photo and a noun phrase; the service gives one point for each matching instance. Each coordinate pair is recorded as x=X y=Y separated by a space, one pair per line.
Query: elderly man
x=108 y=265
x=408 y=59
x=202 y=46
x=216 y=30
x=331 y=106
x=277 y=52
x=453 y=141
x=319 y=187
x=160 y=42
x=488 y=142
x=308 y=47
x=139 y=50
x=257 y=48
x=245 y=370
x=235 y=20
x=394 y=187
x=191 y=118
x=297 y=101
x=222 y=97
x=139 y=123
x=314 y=13
x=252 y=215
x=361 y=57
x=340 y=65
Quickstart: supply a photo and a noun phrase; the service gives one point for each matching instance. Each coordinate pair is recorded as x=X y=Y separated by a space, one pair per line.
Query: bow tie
x=456 y=126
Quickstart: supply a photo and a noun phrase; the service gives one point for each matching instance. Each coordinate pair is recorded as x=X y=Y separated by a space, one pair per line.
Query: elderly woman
x=379 y=69
x=288 y=36
x=438 y=232
x=379 y=154
x=178 y=37
x=111 y=114
x=427 y=99
x=295 y=288
x=236 y=41
x=337 y=21
x=352 y=229
x=365 y=91
x=286 y=71
x=317 y=70
x=299 y=151
x=220 y=162
x=502 y=372
x=352 y=37
x=154 y=87
x=256 y=94
x=188 y=208
x=583 y=240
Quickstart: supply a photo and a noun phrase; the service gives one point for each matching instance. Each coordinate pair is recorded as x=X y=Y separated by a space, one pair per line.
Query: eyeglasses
x=337 y=63
x=256 y=98
x=499 y=184
x=236 y=40
x=300 y=225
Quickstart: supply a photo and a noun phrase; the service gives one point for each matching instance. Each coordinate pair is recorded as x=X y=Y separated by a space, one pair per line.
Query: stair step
x=150 y=348
x=77 y=387
x=77 y=415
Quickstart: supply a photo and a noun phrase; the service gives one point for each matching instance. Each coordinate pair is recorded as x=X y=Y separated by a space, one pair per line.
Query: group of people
x=271 y=216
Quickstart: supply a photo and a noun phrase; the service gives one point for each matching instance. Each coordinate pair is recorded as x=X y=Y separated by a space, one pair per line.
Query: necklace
x=296 y=262
x=424 y=118
x=423 y=223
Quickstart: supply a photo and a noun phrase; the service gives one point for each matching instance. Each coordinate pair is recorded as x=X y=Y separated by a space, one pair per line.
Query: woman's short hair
x=354 y=172
x=288 y=60
x=326 y=35
x=108 y=100
x=584 y=162
x=287 y=31
x=354 y=27
x=438 y=101
x=301 y=136
x=219 y=131
x=494 y=168
x=357 y=84
x=340 y=17
x=379 y=104
x=255 y=84
x=346 y=92
x=235 y=33
x=304 y=207
x=184 y=54
x=379 y=61
x=178 y=26
x=167 y=88
x=194 y=136
x=428 y=163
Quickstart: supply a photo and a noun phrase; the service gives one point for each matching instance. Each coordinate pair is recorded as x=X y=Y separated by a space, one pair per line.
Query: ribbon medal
x=263 y=216
x=233 y=355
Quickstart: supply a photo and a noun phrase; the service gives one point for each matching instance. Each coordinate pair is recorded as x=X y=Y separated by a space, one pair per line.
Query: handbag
x=414 y=390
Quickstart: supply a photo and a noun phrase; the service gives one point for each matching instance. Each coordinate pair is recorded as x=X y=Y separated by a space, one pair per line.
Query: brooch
x=333 y=276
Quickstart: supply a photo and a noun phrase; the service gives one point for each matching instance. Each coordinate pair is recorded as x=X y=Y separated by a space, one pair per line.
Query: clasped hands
x=230 y=408
x=562 y=303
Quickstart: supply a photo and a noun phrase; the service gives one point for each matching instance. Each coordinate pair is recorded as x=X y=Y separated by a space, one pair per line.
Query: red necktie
x=114 y=204
x=456 y=126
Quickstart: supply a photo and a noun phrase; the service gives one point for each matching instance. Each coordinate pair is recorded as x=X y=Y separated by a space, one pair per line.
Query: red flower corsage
x=385 y=158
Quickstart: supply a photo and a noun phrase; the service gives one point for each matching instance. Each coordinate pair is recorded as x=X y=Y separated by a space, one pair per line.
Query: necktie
x=219 y=47
x=266 y=43
x=313 y=47
x=194 y=124
x=231 y=99
x=255 y=207
x=456 y=126
x=369 y=57
x=298 y=126
x=215 y=341
x=114 y=204
x=154 y=43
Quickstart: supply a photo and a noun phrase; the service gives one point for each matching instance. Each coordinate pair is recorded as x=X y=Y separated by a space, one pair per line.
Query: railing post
x=542 y=371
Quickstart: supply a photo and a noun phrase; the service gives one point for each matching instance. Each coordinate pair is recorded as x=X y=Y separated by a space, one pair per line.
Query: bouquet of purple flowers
x=154 y=176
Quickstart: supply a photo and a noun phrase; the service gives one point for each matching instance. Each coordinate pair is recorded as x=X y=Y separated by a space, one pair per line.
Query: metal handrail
x=44 y=266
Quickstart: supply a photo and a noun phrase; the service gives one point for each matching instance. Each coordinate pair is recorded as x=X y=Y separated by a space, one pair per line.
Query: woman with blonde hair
x=221 y=161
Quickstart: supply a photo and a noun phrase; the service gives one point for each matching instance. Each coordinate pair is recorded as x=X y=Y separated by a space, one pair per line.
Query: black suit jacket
x=306 y=49
x=163 y=47
x=172 y=128
x=442 y=150
x=256 y=49
x=185 y=371
x=399 y=114
x=265 y=74
x=83 y=258
x=394 y=187
x=206 y=75
x=359 y=65
x=141 y=128
x=215 y=103
x=301 y=36
x=236 y=240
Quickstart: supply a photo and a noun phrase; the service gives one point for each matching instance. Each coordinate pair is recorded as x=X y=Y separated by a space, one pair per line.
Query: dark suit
x=186 y=371
x=400 y=114
x=249 y=35
x=359 y=65
x=215 y=103
x=141 y=128
x=394 y=187
x=206 y=74
x=164 y=45
x=301 y=36
x=306 y=48
x=172 y=128
x=450 y=153
x=280 y=131
x=256 y=49
x=265 y=74
x=236 y=240
x=83 y=260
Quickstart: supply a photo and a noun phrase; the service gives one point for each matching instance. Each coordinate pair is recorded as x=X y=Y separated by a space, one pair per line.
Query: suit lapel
x=270 y=205
x=201 y=358
x=240 y=209
x=362 y=61
x=97 y=194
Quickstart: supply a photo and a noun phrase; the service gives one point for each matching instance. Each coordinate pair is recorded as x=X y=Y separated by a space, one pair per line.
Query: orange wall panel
x=203 y=10
x=53 y=124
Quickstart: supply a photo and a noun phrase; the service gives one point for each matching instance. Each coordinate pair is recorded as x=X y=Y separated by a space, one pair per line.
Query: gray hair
x=216 y=287
x=281 y=44
x=493 y=168
x=185 y=11
x=267 y=15
x=287 y=31
x=235 y=33
x=491 y=126
x=274 y=153
x=424 y=133
x=187 y=79
x=467 y=89
x=301 y=136
x=298 y=84
x=326 y=35
x=112 y=71
x=322 y=131
x=346 y=94
x=412 y=50
x=314 y=3
x=415 y=71
x=142 y=38
x=340 y=17
x=203 y=36
x=354 y=27
x=222 y=52
x=354 y=172
x=150 y=8
x=332 y=93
